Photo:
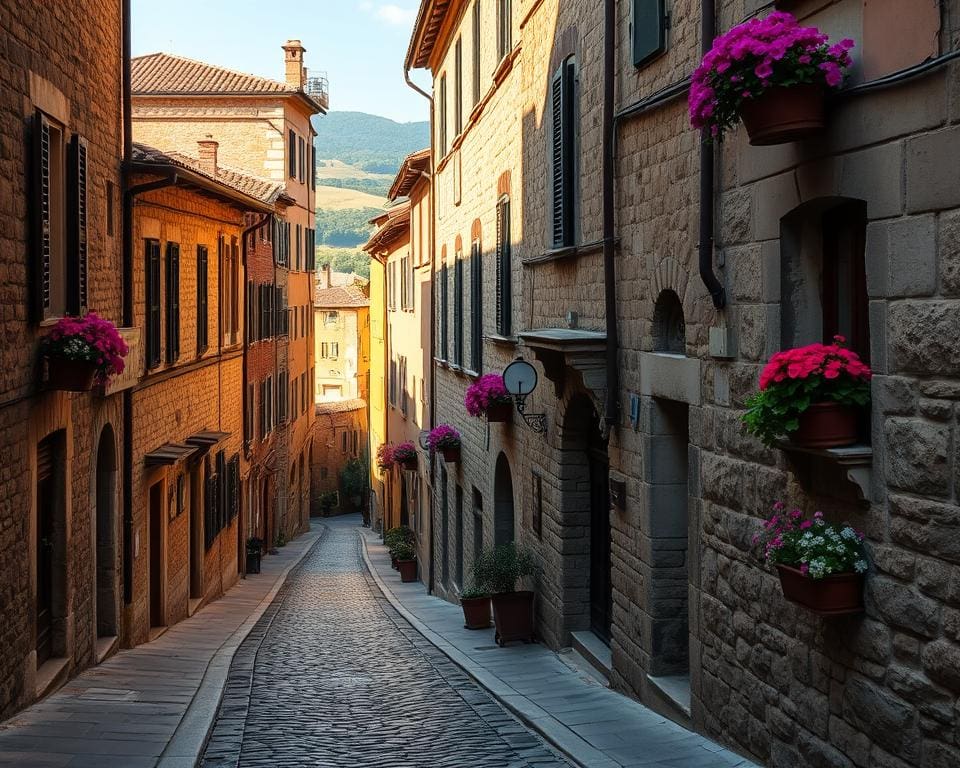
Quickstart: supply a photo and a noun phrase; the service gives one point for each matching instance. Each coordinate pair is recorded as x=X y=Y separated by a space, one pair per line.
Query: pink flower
x=804 y=569
x=806 y=524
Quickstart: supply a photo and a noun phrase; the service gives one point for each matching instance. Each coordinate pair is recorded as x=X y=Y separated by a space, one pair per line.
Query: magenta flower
x=486 y=391
x=90 y=338
x=443 y=436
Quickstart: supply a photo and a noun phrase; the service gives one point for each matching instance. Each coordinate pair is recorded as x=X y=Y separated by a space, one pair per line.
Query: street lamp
x=520 y=379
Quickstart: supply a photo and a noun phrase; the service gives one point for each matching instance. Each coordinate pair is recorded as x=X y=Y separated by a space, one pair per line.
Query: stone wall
x=333 y=423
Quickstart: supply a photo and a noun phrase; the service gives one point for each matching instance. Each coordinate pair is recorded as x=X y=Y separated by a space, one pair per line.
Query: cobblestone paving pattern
x=332 y=676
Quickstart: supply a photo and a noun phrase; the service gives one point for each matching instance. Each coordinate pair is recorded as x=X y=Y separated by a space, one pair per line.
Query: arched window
x=669 y=330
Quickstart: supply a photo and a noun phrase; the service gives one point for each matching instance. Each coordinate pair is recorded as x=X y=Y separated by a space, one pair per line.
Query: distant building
x=188 y=405
x=341 y=309
x=339 y=436
x=262 y=126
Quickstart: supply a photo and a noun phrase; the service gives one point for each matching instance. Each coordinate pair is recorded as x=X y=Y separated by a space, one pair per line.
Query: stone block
x=770 y=271
x=884 y=718
x=743 y=264
x=736 y=216
x=671 y=377
x=893 y=395
x=917 y=458
x=872 y=641
x=931 y=183
x=902 y=606
x=949 y=253
x=941 y=662
x=775 y=198
x=894 y=561
x=752 y=331
x=878 y=337
x=930 y=699
x=851 y=742
x=817 y=753
x=874 y=175
x=911 y=256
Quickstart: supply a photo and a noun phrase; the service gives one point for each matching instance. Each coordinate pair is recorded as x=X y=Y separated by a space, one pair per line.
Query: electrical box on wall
x=618 y=494
x=723 y=342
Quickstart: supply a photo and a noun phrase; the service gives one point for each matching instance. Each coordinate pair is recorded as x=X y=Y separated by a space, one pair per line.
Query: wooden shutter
x=476 y=52
x=173 y=302
x=77 y=277
x=458 y=309
x=292 y=155
x=476 y=307
x=40 y=193
x=202 y=298
x=504 y=269
x=458 y=86
x=152 y=295
x=233 y=474
x=562 y=155
x=210 y=509
x=443 y=312
x=649 y=30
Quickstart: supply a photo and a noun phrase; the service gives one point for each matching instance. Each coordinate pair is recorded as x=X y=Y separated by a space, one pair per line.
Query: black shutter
x=313 y=168
x=202 y=298
x=649 y=30
x=561 y=152
x=210 y=510
x=173 y=302
x=292 y=155
x=152 y=295
x=77 y=260
x=40 y=193
x=476 y=52
x=504 y=269
x=458 y=309
x=476 y=307
x=233 y=481
x=443 y=312
x=223 y=491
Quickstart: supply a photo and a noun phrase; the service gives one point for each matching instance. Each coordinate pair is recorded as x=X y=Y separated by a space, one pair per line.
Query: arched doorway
x=503 y=516
x=105 y=495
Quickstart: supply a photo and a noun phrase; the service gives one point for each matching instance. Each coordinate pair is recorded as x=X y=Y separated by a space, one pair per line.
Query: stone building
x=263 y=127
x=189 y=526
x=339 y=436
x=341 y=337
x=401 y=247
x=641 y=498
x=60 y=252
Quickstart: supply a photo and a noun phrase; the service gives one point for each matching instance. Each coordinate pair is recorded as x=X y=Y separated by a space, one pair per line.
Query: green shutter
x=649 y=30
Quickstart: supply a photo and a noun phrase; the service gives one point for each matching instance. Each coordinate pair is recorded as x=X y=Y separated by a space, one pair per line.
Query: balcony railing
x=318 y=89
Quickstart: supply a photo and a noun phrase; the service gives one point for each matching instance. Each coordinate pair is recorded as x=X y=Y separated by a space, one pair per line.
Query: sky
x=360 y=44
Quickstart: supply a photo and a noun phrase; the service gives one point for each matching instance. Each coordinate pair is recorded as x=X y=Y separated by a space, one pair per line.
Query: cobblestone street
x=333 y=676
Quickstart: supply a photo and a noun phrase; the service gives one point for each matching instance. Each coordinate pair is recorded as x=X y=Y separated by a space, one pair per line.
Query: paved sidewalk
x=152 y=705
x=586 y=721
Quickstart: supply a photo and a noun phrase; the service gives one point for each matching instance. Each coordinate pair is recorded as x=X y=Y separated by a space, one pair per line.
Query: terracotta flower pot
x=826 y=425
x=835 y=595
x=408 y=570
x=476 y=612
x=781 y=115
x=451 y=455
x=70 y=375
x=409 y=464
x=500 y=412
x=513 y=615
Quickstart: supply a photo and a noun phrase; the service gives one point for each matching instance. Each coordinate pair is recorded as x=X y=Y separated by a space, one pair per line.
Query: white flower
x=848 y=533
x=860 y=566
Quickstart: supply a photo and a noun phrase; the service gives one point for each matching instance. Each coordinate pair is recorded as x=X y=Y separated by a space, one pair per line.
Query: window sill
x=506 y=341
x=566 y=252
x=854 y=462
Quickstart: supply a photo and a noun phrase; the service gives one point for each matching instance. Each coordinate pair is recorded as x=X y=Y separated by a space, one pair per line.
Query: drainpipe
x=433 y=273
x=705 y=247
x=126 y=271
x=612 y=404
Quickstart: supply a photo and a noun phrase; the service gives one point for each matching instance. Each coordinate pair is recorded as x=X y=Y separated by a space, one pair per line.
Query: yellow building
x=263 y=127
x=189 y=219
x=341 y=337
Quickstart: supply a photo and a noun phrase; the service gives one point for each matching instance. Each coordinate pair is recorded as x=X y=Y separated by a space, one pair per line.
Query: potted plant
x=254 y=549
x=405 y=455
x=353 y=481
x=476 y=608
x=821 y=565
x=772 y=74
x=488 y=396
x=384 y=457
x=500 y=571
x=811 y=395
x=401 y=534
x=446 y=440
x=406 y=561
x=83 y=350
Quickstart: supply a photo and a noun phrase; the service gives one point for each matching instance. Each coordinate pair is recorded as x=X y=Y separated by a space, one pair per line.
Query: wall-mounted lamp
x=423 y=439
x=520 y=379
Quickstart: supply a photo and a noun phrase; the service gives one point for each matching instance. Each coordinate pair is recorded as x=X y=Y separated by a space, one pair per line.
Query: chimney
x=323 y=277
x=296 y=75
x=208 y=155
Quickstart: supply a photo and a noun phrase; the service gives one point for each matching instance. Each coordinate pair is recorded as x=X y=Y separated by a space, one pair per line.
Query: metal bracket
x=536 y=421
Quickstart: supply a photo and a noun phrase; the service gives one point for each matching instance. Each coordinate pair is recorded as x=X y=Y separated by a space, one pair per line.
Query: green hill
x=370 y=143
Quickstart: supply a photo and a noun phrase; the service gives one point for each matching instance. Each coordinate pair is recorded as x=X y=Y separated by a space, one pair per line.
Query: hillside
x=369 y=142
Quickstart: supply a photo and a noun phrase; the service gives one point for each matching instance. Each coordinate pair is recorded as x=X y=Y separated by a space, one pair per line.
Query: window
x=458 y=544
x=59 y=203
x=331 y=318
x=302 y=164
x=294 y=400
x=649 y=30
x=248 y=412
x=343 y=441
x=443 y=311
x=111 y=196
x=173 y=302
x=562 y=156
x=298 y=251
x=152 y=297
x=504 y=268
x=303 y=392
x=292 y=154
x=476 y=52
x=402 y=384
x=230 y=282
x=405 y=283
x=504 y=28
x=845 y=302
x=476 y=307
x=442 y=127
x=334 y=350
x=202 y=299
x=282 y=394
x=458 y=309
x=313 y=168
x=477 y=524
x=458 y=87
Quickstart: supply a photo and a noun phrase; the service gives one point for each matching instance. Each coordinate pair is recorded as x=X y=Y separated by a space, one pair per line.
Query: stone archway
x=105 y=497
x=503 y=512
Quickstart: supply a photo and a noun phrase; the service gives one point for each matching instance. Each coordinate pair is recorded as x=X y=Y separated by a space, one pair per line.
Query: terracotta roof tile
x=340 y=296
x=409 y=173
x=165 y=73
x=341 y=406
x=390 y=224
x=261 y=189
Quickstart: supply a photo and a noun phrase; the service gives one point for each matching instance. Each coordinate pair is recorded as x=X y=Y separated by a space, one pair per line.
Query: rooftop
x=341 y=406
x=410 y=173
x=344 y=296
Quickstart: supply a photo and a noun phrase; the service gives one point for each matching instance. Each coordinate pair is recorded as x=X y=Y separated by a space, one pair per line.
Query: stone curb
x=189 y=739
x=555 y=733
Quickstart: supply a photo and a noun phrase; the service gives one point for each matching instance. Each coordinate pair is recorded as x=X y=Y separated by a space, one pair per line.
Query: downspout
x=612 y=404
x=126 y=271
x=433 y=274
x=705 y=247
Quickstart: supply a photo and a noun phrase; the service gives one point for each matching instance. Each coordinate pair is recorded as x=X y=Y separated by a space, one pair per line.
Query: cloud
x=389 y=13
